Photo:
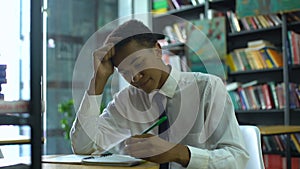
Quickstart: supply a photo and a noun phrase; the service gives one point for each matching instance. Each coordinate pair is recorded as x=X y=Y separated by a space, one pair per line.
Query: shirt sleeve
x=95 y=133
x=88 y=111
x=224 y=146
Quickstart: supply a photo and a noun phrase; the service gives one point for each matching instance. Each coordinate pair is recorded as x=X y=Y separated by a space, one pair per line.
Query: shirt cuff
x=199 y=158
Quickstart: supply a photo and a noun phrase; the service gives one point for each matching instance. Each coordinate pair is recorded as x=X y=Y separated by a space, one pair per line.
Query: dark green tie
x=164 y=126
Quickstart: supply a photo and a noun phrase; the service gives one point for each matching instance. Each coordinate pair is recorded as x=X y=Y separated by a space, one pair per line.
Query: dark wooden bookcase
x=276 y=34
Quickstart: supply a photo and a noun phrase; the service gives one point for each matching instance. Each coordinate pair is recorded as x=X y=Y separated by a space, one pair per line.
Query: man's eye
x=140 y=64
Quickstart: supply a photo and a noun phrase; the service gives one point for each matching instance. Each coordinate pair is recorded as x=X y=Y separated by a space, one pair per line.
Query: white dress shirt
x=199 y=110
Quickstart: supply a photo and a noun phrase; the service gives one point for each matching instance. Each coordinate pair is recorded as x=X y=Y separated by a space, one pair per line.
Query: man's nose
x=136 y=77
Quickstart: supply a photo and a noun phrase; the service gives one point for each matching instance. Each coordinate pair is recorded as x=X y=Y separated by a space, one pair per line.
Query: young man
x=203 y=131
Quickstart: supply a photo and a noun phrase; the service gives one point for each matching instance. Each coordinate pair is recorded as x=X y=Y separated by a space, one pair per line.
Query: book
x=280 y=95
x=243 y=99
x=230 y=62
x=109 y=160
x=294 y=40
x=235 y=99
x=275 y=56
x=295 y=142
x=245 y=24
x=273 y=161
x=259 y=43
x=232 y=86
x=267 y=96
x=261 y=97
x=273 y=93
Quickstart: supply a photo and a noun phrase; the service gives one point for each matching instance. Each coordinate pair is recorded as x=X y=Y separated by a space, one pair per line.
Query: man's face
x=141 y=67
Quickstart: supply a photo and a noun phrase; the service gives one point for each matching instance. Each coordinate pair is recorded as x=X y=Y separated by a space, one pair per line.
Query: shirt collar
x=171 y=83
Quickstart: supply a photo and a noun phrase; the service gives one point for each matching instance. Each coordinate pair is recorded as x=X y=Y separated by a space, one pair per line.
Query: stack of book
x=274 y=145
x=3 y=79
x=277 y=143
x=257 y=22
x=260 y=54
x=253 y=96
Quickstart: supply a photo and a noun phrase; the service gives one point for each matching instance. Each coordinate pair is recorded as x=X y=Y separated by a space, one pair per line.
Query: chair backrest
x=252 y=139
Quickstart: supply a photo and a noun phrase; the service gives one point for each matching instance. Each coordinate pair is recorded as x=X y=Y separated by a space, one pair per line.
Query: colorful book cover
x=263 y=7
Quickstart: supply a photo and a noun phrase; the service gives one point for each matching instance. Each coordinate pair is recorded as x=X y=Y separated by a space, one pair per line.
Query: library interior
x=226 y=69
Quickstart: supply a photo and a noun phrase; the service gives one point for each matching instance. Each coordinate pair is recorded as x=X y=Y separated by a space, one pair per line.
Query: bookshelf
x=278 y=35
x=34 y=117
x=275 y=137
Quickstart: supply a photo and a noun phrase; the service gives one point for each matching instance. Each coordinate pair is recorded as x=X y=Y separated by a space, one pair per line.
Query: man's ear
x=158 y=50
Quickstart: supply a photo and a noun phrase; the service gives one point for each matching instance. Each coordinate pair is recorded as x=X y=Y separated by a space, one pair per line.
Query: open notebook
x=109 y=160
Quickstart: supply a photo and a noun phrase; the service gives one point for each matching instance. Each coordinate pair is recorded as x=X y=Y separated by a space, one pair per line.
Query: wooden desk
x=26 y=160
x=147 y=165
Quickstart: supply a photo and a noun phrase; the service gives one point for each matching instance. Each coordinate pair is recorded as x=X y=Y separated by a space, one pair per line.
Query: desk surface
x=26 y=160
x=147 y=165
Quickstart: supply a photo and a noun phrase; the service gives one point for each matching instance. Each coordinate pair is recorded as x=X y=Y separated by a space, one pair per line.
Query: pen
x=157 y=123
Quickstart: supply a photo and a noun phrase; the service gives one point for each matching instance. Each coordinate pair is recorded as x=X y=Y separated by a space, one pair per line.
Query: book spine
x=245 y=24
x=267 y=58
x=280 y=95
x=261 y=97
x=274 y=95
x=243 y=98
x=267 y=96
x=275 y=56
x=295 y=142
x=257 y=22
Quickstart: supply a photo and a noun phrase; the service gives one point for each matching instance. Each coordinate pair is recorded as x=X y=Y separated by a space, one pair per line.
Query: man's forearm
x=182 y=154
x=96 y=86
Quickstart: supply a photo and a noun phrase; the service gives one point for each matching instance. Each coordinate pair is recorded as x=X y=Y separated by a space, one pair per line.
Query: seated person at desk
x=203 y=131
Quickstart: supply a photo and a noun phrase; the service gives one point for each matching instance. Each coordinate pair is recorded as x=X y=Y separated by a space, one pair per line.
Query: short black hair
x=134 y=30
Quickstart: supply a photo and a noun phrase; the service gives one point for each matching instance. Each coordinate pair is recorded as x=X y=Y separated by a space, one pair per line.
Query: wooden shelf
x=262 y=75
x=278 y=129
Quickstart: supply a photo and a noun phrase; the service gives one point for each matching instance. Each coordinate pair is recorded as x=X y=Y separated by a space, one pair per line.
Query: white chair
x=252 y=139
